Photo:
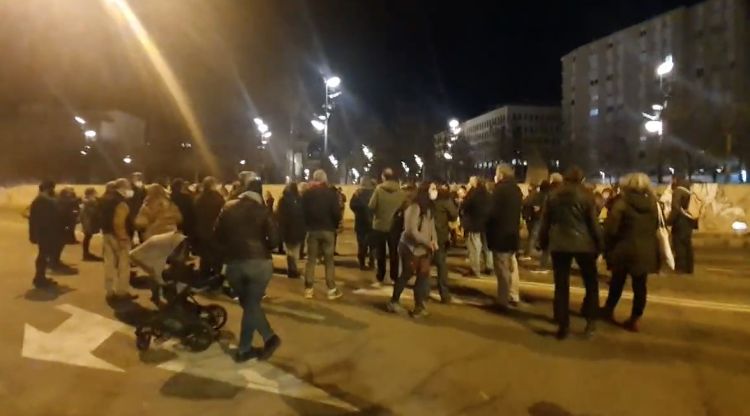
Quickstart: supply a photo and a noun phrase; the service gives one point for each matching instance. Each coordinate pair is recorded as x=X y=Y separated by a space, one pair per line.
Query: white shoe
x=334 y=294
x=376 y=285
x=309 y=293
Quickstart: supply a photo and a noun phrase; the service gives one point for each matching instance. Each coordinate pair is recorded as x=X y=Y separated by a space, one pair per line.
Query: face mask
x=433 y=194
x=126 y=193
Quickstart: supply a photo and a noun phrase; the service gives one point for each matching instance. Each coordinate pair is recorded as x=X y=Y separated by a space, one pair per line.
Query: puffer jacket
x=158 y=216
x=385 y=201
x=569 y=221
x=419 y=231
x=630 y=234
x=245 y=230
x=445 y=212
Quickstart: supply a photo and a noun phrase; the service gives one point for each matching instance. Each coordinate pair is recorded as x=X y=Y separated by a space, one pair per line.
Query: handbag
x=662 y=235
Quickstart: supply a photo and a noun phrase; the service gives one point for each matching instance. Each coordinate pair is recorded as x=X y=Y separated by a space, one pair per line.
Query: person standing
x=208 y=205
x=682 y=227
x=446 y=212
x=363 y=222
x=158 y=215
x=385 y=201
x=135 y=203
x=503 y=234
x=46 y=230
x=632 y=246
x=70 y=209
x=322 y=216
x=184 y=202
x=475 y=213
x=247 y=234
x=417 y=244
x=570 y=231
x=291 y=219
x=117 y=241
x=91 y=222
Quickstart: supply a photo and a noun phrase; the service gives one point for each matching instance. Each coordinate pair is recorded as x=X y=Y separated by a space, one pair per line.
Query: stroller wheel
x=199 y=336
x=215 y=315
x=142 y=339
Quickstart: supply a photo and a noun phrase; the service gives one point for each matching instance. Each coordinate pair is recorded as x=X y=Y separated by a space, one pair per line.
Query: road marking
x=289 y=311
x=73 y=341
x=387 y=291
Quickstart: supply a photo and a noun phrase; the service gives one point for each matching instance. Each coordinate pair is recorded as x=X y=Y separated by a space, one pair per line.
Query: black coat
x=184 y=203
x=46 y=223
x=504 y=222
x=291 y=218
x=630 y=234
x=208 y=205
x=322 y=208
x=245 y=229
x=476 y=210
x=569 y=221
x=361 y=209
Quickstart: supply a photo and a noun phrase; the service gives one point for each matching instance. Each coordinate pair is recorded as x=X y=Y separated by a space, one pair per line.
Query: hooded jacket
x=361 y=209
x=158 y=215
x=569 y=222
x=630 y=234
x=291 y=218
x=385 y=201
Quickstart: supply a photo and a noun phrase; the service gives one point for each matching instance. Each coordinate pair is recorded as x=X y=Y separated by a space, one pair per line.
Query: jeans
x=442 y=271
x=249 y=279
x=293 y=251
x=476 y=243
x=413 y=264
x=561 y=263
x=639 y=292
x=364 y=248
x=319 y=242
x=381 y=239
x=116 y=265
x=508 y=282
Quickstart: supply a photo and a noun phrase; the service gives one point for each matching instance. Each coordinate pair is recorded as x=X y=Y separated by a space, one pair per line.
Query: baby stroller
x=165 y=258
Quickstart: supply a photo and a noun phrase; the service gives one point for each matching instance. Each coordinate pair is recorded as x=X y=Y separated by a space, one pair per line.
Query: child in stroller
x=165 y=258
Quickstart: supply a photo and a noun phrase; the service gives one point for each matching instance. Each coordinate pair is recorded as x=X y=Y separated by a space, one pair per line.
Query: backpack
x=694 y=208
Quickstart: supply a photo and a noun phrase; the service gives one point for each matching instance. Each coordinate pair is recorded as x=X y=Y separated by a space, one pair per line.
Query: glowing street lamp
x=79 y=120
x=242 y=162
x=89 y=134
x=665 y=67
x=405 y=166
x=334 y=161
x=654 y=126
x=453 y=123
x=447 y=156
x=657 y=107
x=262 y=128
x=418 y=161
x=127 y=160
x=84 y=153
x=258 y=121
x=267 y=135
x=320 y=126
x=333 y=82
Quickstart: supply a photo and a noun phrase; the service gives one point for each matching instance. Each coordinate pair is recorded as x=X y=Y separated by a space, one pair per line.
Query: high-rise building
x=609 y=83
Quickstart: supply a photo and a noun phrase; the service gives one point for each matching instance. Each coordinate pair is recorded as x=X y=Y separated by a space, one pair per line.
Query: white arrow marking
x=73 y=341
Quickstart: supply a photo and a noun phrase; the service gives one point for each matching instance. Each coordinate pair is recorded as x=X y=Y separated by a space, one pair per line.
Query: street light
x=127 y=160
x=453 y=123
x=333 y=82
x=242 y=162
x=405 y=166
x=318 y=125
x=258 y=121
x=83 y=153
x=657 y=107
x=447 y=156
x=665 y=67
x=79 y=120
x=418 y=161
x=267 y=135
x=334 y=161
x=654 y=126
x=89 y=134
x=262 y=128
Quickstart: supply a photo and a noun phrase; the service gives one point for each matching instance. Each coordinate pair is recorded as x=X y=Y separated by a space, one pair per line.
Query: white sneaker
x=334 y=294
x=376 y=285
x=309 y=293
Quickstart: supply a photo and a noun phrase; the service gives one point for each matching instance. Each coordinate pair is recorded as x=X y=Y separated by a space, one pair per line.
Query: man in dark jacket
x=184 y=202
x=445 y=212
x=387 y=199
x=208 y=205
x=136 y=202
x=363 y=222
x=474 y=220
x=291 y=219
x=46 y=230
x=682 y=227
x=246 y=232
x=322 y=216
x=570 y=231
x=503 y=233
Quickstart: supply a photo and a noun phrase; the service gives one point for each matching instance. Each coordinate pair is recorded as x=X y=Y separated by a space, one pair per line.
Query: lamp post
x=331 y=86
x=656 y=125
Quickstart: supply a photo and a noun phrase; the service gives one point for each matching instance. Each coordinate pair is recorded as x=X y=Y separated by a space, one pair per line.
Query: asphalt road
x=68 y=353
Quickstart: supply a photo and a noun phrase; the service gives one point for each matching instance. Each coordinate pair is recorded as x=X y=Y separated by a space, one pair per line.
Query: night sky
x=403 y=62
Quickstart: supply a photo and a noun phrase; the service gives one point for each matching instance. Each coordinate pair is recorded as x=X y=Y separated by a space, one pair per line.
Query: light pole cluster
x=320 y=122
x=88 y=134
x=654 y=123
x=263 y=131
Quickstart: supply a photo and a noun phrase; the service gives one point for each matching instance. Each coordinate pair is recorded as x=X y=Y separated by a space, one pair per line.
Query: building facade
x=608 y=84
x=511 y=134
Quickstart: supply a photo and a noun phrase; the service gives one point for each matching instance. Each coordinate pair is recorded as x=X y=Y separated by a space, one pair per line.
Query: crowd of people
x=235 y=229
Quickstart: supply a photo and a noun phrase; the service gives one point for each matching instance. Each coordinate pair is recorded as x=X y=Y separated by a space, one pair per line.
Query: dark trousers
x=381 y=239
x=249 y=279
x=639 y=292
x=561 y=263
x=442 y=271
x=419 y=265
x=364 y=249
x=682 y=244
x=45 y=257
x=87 y=244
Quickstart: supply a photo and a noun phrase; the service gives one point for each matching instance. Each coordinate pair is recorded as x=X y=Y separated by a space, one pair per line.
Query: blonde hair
x=638 y=182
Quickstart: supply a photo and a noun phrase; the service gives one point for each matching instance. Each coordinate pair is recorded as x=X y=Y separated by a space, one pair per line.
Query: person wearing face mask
x=446 y=212
x=116 y=223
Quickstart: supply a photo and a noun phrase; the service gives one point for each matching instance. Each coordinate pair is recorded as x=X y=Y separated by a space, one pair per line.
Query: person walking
x=503 y=235
x=207 y=206
x=363 y=222
x=322 y=216
x=291 y=220
x=91 y=223
x=385 y=201
x=247 y=234
x=117 y=241
x=632 y=246
x=158 y=215
x=417 y=244
x=475 y=214
x=682 y=227
x=46 y=230
x=570 y=231
x=184 y=202
x=446 y=212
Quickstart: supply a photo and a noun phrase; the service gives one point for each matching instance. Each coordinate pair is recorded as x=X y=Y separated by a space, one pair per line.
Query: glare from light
x=653 y=126
x=267 y=134
x=671 y=170
x=80 y=120
x=127 y=160
x=657 y=107
x=258 y=121
x=367 y=152
x=743 y=175
x=307 y=173
x=447 y=156
x=453 y=123
x=650 y=116
x=334 y=161
x=242 y=162
x=739 y=226
x=405 y=166
x=90 y=134
x=83 y=153
x=418 y=161
x=665 y=67
x=262 y=128
x=318 y=125
x=355 y=174
x=334 y=95
x=333 y=82
x=322 y=117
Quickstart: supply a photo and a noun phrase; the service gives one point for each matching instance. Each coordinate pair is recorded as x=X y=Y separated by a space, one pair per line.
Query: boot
x=631 y=324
